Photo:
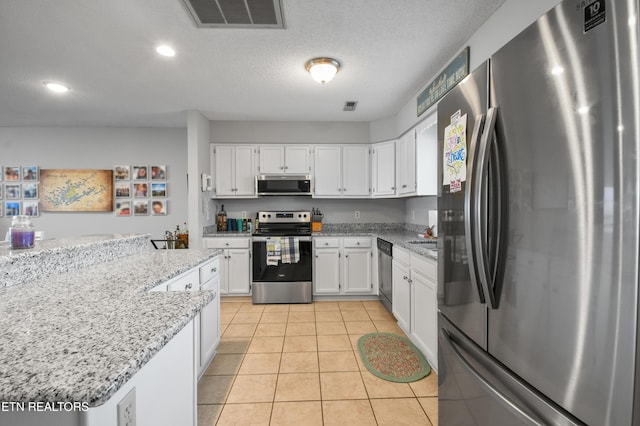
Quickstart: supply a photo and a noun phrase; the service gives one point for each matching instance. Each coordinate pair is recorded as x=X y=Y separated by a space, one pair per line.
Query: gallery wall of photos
x=19 y=190
x=139 y=190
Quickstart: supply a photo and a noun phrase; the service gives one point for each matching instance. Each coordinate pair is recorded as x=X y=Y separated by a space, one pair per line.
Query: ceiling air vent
x=350 y=105
x=236 y=13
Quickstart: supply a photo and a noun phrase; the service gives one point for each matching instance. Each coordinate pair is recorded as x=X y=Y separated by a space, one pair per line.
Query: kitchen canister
x=21 y=233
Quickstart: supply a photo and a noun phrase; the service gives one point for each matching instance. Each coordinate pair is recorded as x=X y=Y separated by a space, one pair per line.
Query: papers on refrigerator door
x=454 y=168
x=274 y=251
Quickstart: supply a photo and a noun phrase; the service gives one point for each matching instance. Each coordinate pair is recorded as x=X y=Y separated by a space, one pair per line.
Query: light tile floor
x=300 y=365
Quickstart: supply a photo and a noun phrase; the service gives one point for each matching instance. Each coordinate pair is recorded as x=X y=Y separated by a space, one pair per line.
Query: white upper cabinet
x=406 y=163
x=416 y=159
x=234 y=170
x=284 y=159
x=327 y=171
x=426 y=157
x=341 y=171
x=356 y=176
x=383 y=169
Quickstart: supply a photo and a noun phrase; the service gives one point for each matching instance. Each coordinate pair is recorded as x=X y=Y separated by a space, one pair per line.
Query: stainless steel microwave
x=283 y=185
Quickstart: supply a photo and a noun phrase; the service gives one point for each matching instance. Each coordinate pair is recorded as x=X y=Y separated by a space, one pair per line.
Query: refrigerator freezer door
x=475 y=390
x=567 y=94
x=458 y=294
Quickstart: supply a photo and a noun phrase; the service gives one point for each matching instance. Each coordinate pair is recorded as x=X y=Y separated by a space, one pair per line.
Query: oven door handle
x=262 y=239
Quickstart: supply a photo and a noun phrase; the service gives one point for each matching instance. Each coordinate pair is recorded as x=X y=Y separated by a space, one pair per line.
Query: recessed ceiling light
x=165 y=50
x=56 y=87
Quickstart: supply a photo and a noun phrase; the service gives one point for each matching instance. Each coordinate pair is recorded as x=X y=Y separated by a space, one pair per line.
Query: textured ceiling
x=105 y=51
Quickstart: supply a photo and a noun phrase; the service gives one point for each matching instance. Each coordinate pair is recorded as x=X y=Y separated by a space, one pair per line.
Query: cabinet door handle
x=358 y=243
x=404 y=277
x=188 y=286
x=214 y=269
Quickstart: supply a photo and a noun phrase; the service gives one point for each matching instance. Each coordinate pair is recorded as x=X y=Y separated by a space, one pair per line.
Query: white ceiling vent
x=236 y=13
x=350 y=105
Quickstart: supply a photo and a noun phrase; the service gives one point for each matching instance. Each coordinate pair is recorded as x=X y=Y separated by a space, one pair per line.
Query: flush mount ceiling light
x=322 y=70
x=166 y=50
x=56 y=87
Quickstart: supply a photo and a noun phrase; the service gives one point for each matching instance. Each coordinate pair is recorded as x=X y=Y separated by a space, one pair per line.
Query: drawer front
x=209 y=270
x=189 y=281
x=327 y=242
x=361 y=242
x=401 y=255
x=425 y=266
x=224 y=243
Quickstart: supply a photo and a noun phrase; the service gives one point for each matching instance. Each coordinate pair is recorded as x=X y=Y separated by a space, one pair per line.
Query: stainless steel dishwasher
x=385 y=256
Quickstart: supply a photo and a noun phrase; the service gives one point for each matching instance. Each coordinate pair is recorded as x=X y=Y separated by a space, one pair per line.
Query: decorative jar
x=21 y=233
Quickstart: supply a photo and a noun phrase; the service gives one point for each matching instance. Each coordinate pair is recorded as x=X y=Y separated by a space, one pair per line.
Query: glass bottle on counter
x=21 y=233
x=222 y=219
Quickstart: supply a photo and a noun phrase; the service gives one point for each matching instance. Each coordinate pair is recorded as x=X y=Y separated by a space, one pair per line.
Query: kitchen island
x=81 y=335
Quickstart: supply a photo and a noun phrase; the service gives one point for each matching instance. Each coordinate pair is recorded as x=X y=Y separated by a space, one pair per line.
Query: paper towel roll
x=433 y=221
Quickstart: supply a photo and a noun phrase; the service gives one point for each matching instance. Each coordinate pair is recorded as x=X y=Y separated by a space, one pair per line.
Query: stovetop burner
x=284 y=223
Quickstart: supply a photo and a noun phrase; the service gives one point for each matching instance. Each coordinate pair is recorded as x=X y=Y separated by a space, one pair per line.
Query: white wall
x=101 y=148
x=335 y=211
x=200 y=205
x=417 y=209
x=508 y=21
x=310 y=132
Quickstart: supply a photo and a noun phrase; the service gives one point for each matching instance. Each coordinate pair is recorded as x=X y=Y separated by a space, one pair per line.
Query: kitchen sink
x=423 y=242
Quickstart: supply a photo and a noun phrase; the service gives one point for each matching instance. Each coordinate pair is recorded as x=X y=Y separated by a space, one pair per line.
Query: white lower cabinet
x=415 y=303
x=208 y=320
x=235 y=263
x=343 y=266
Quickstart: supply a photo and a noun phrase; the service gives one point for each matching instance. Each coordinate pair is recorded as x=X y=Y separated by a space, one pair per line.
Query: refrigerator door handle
x=469 y=210
x=479 y=215
x=512 y=406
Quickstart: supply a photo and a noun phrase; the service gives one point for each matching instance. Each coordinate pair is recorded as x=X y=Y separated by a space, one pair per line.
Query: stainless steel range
x=282 y=269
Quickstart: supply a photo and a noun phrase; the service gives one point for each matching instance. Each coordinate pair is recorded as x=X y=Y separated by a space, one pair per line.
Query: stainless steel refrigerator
x=539 y=230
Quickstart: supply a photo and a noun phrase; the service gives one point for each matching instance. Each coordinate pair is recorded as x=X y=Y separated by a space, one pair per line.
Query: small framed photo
x=122 y=172
x=140 y=207
x=12 y=191
x=11 y=208
x=158 y=172
x=123 y=208
x=29 y=190
x=159 y=207
x=11 y=173
x=140 y=173
x=30 y=173
x=30 y=208
x=123 y=190
x=158 y=189
x=141 y=189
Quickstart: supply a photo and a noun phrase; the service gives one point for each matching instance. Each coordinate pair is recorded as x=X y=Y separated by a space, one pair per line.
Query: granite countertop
x=219 y=234
x=399 y=237
x=80 y=335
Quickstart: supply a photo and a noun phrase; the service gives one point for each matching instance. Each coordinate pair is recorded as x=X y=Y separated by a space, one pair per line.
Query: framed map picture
x=69 y=190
